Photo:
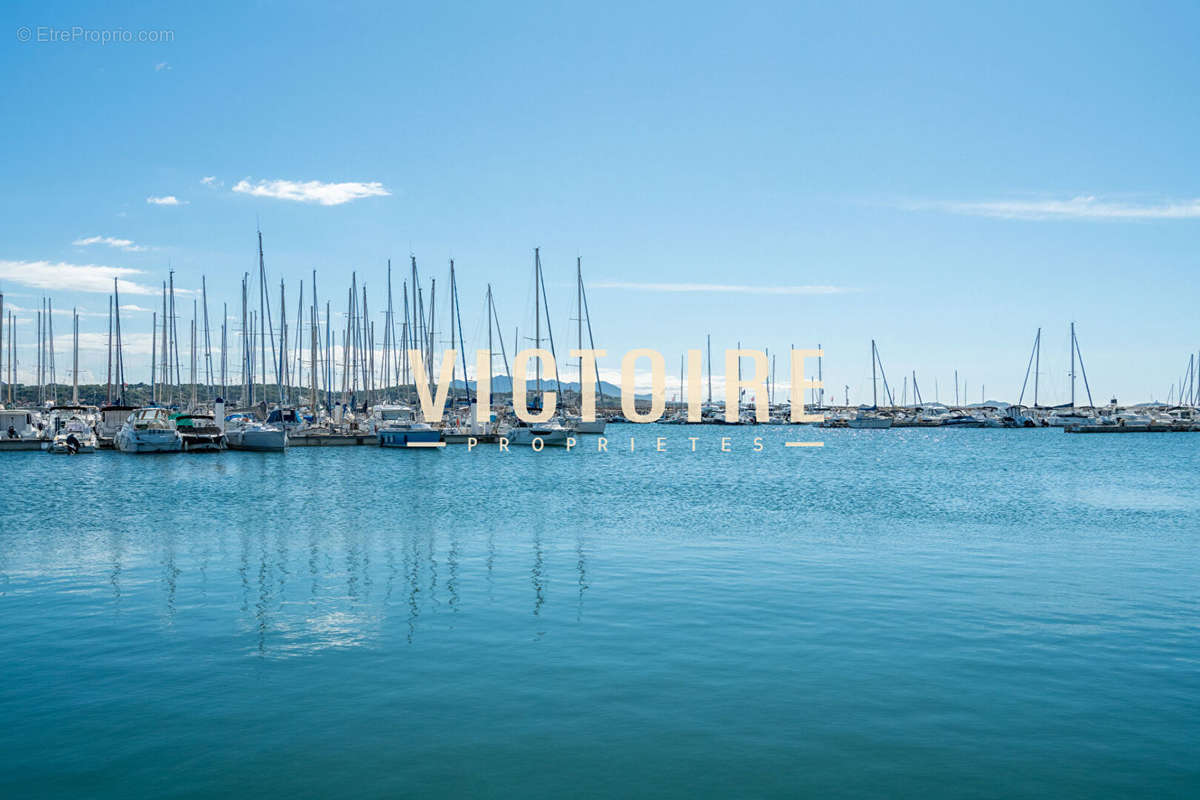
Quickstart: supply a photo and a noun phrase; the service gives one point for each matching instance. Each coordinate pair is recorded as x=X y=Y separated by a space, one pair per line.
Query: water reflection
x=117 y=545
x=581 y=568
x=539 y=583
x=289 y=591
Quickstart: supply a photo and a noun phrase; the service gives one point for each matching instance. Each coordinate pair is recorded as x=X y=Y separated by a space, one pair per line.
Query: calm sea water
x=912 y=612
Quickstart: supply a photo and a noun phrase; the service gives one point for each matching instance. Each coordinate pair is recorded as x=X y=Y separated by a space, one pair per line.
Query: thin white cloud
x=161 y=66
x=166 y=200
x=72 y=277
x=1076 y=208
x=83 y=312
x=723 y=288
x=125 y=244
x=211 y=180
x=326 y=194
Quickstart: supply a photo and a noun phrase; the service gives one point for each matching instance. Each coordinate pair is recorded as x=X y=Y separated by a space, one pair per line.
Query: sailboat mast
x=174 y=338
x=37 y=375
x=1072 y=365
x=1037 y=365
x=489 y=313
x=821 y=378
x=12 y=354
x=75 y=355
x=462 y=345
x=591 y=339
x=328 y=359
x=874 y=392
x=386 y=378
x=108 y=390
x=312 y=353
x=550 y=334
x=163 y=378
x=50 y=350
x=431 y=332
x=406 y=334
x=192 y=374
x=453 y=364
x=495 y=318
x=224 y=347
x=262 y=316
x=366 y=346
x=537 y=315
x=208 y=365
x=579 y=321
x=345 y=349
x=120 y=351
x=710 y=369
x=247 y=379
x=283 y=364
x=679 y=397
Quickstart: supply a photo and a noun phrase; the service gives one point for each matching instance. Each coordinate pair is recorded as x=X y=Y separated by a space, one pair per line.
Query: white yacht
x=869 y=421
x=21 y=429
x=200 y=432
x=1067 y=417
x=149 y=430
x=398 y=426
x=75 y=436
x=112 y=418
x=551 y=433
x=244 y=432
x=575 y=422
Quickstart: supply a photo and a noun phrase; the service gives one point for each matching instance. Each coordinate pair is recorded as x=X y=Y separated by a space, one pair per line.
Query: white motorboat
x=398 y=426
x=21 y=429
x=200 y=432
x=539 y=434
x=149 y=430
x=76 y=436
x=869 y=421
x=1063 y=419
x=576 y=423
x=244 y=432
x=112 y=418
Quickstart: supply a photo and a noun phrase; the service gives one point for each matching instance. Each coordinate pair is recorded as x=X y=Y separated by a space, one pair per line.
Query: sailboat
x=552 y=432
x=872 y=419
x=576 y=421
x=1065 y=416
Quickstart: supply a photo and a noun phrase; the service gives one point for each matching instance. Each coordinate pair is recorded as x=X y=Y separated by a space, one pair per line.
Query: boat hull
x=257 y=440
x=870 y=423
x=533 y=437
x=21 y=444
x=332 y=439
x=204 y=443
x=157 y=442
x=59 y=447
x=1146 y=428
x=403 y=438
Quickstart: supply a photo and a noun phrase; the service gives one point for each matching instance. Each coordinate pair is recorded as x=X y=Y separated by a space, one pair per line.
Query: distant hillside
x=502 y=385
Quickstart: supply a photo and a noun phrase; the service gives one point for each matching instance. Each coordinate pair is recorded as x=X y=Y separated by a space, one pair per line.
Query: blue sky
x=962 y=175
